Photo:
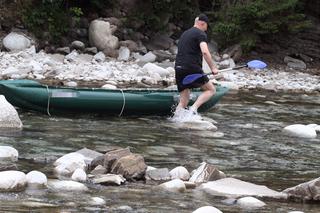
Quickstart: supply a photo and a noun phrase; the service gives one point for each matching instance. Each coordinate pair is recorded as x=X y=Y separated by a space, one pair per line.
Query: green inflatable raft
x=31 y=95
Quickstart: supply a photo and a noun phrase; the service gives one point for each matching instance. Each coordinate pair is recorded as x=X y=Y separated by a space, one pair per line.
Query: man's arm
x=207 y=56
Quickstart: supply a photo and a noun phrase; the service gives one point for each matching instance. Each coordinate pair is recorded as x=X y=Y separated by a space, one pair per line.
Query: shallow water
x=253 y=149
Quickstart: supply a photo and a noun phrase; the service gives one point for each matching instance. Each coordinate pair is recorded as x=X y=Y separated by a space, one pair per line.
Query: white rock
x=71 y=84
x=147 y=58
x=36 y=179
x=16 y=41
x=9 y=117
x=180 y=172
x=235 y=187
x=10 y=71
x=12 y=181
x=124 y=54
x=97 y=201
x=109 y=86
x=175 y=185
x=79 y=175
x=8 y=153
x=295 y=212
x=300 y=130
x=66 y=185
x=153 y=68
x=68 y=163
x=250 y=202
x=149 y=168
x=99 y=57
x=100 y=35
x=316 y=127
x=207 y=209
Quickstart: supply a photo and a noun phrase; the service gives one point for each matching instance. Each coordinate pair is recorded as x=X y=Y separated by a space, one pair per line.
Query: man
x=192 y=46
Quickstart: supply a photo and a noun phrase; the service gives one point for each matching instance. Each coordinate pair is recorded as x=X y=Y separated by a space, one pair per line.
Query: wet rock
x=91 y=50
x=206 y=172
x=175 y=185
x=8 y=153
x=9 y=117
x=36 y=179
x=250 y=202
x=109 y=179
x=5 y=166
x=79 y=175
x=180 y=172
x=99 y=170
x=305 y=191
x=68 y=163
x=130 y=166
x=236 y=188
x=34 y=204
x=190 y=185
x=111 y=157
x=158 y=174
x=207 y=209
x=12 y=181
x=66 y=185
x=299 y=130
x=89 y=155
x=16 y=41
x=97 y=201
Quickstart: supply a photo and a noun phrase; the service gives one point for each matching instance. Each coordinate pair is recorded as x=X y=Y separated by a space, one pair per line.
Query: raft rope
x=124 y=102
x=48 y=105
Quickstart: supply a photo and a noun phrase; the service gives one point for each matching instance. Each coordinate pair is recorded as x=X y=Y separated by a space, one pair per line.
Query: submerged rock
x=234 y=187
x=207 y=209
x=66 y=185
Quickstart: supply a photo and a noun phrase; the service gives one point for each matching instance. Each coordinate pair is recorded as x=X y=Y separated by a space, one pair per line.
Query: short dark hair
x=203 y=17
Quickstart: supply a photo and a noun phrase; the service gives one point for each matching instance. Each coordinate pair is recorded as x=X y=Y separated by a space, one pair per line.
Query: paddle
x=255 y=64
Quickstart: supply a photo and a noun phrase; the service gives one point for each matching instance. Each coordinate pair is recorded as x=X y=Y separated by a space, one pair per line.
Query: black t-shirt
x=189 y=53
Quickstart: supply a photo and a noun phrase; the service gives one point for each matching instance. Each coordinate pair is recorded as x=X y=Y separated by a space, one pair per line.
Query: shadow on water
x=253 y=149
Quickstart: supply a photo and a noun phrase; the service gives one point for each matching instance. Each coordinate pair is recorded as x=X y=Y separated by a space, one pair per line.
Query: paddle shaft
x=228 y=69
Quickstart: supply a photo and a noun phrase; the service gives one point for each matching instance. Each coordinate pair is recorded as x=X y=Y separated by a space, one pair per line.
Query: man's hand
x=214 y=71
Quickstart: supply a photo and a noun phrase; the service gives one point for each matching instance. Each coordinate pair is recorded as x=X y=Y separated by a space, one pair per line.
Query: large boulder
x=16 y=41
x=100 y=35
x=12 y=181
x=305 y=191
x=9 y=117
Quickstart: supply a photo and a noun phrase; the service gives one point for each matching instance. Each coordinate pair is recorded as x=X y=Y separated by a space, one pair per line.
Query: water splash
x=185 y=115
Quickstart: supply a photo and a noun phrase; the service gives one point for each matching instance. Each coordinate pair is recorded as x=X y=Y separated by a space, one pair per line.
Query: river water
x=253 y=149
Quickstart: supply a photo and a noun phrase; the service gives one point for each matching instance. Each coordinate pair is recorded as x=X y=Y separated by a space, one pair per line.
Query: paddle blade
x=256 y=64
x=189 y=79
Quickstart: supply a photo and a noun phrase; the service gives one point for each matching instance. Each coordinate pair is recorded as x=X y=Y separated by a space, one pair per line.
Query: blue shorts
x=181 y=73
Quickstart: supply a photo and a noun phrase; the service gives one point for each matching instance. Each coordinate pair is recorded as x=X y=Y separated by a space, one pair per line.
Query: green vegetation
x=242 y=21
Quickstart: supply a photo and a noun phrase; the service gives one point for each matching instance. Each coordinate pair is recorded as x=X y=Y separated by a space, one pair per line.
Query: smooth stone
x=180 y=172
x=12 y=181
x=66 y=185
x=97 y=201
x=79 y=175
x=36 y=179
x=300 y=130
x=175 y=185
x=207 y=209
x=250 y=202
x=8 y=153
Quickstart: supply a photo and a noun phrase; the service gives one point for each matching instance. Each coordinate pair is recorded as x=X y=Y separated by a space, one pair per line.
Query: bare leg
x=209 y=91
x=184 y=98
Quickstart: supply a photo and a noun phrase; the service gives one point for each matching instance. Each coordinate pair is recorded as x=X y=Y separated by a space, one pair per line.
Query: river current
x=253 y=149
